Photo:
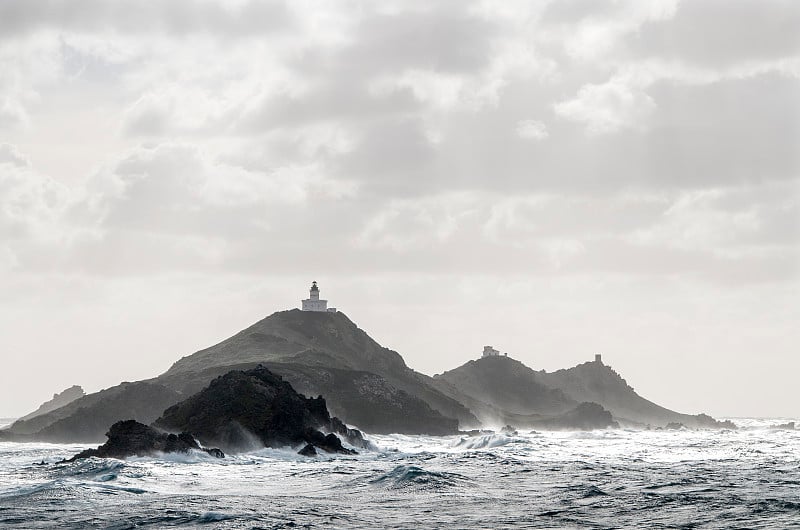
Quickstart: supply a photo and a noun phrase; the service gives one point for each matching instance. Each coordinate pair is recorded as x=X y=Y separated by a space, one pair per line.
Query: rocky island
x=289 y=355
x=241 y=410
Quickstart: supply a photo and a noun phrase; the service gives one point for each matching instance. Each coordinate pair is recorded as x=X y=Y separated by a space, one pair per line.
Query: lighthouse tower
x=313 y=302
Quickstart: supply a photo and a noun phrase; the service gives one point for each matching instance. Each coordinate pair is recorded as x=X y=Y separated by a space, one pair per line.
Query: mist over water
x=596 y=479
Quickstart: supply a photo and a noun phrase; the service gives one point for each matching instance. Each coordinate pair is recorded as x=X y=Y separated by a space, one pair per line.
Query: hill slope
x=325 y=342
x=318 y=353
x=88 y=418
x=597 y=382
x=514 y=392
x=498 y=388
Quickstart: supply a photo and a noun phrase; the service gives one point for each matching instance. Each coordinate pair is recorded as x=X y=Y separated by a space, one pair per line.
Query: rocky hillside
x=59 y=400
x=506 y=385
x=599 y=383
x=88 y=419
x=503 y=390
x=315 y=351
x=325 y=354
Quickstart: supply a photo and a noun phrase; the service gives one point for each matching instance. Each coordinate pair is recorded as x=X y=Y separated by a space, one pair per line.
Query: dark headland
x=368 y=386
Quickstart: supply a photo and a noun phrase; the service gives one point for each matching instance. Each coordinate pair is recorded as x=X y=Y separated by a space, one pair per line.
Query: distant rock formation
x=599 y=383
x=88 y=419
x=500 y=389
x=131 y=438
x=585 y=417
x=59 y=400
x=243 y=409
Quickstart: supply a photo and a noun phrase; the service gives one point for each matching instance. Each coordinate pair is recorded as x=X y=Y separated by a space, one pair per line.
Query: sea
x=692 y=479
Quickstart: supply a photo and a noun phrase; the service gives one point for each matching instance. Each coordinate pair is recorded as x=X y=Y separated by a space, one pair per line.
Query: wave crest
x=414 y=477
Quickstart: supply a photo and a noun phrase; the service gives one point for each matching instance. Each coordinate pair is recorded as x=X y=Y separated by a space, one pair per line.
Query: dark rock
x=785 y=426
x=131 y=438
x=707 y=422
x=308 y=450
x=245 y=408
x=585 y=416
x=509 y=430
x=675 y=426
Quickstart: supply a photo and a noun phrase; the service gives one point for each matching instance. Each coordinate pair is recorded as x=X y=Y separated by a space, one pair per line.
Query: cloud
x=31 y=209
x=408 y=132
x=532 y=130
x=12 y=114
x=719 y=33
x=9 y=154
x=128 y=16
x=608 y=107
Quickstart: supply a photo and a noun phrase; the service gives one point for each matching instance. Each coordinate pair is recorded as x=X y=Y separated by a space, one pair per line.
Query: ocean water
x=748 y=478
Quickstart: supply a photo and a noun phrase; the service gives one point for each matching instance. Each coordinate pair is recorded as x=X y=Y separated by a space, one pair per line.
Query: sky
x=553 y=178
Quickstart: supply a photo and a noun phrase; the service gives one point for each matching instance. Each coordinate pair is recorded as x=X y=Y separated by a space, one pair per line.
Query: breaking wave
x=414 y=477
x=489 y=441
x=746 y=478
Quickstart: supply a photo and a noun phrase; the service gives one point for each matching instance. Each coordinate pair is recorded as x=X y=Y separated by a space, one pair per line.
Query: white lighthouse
x=313 y=302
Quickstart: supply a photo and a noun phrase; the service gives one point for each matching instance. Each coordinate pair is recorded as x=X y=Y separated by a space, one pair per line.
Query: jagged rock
x=131 y=438
x=509 y=430
x=675 y=426
x=243 y=408
x=585 y=416
x=308 y=450
x=784 y=426
x=706 y=421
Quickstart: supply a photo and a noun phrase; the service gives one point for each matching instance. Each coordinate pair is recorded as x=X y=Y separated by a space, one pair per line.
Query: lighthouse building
x=313 y=302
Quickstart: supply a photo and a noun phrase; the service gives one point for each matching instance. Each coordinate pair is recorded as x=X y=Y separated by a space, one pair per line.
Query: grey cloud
x=9 y=154
x=18 y=17
x=443 y=38
x=724 y=32
x=392 y=154
x=724 y=133
x=739 y=130
x=573 y=11
x=339 y=100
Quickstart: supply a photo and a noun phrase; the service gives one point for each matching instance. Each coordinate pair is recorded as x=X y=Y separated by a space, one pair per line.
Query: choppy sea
x=747 y=478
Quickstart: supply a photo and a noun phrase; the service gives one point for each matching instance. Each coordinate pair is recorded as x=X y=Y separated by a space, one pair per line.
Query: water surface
x=748 y=478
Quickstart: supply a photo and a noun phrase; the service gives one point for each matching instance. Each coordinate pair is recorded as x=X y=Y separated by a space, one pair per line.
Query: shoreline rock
x=131 y=438
x=242 y=409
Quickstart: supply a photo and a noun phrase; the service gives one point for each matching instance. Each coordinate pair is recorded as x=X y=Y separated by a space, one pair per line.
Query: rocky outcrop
x=59 y=400
x=246 y=409
x=584 y=417
x=131 y=438
x=362 y=398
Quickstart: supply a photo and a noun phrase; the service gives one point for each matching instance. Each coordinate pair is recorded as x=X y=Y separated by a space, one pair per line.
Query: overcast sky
x=556 y=179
